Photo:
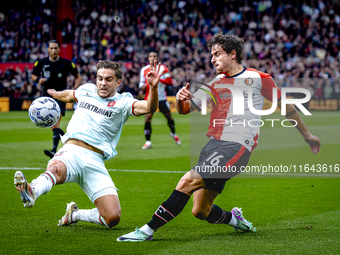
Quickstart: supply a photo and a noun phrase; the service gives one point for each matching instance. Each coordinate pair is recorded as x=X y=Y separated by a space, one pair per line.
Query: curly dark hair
x=110 y=65
x=228 y=43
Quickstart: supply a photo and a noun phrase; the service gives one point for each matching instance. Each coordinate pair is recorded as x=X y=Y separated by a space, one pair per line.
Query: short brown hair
x=110 y=65
x=228 y=43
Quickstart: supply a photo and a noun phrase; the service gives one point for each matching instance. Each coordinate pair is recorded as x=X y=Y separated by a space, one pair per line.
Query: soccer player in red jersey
x=164 y=106
x=229 y=145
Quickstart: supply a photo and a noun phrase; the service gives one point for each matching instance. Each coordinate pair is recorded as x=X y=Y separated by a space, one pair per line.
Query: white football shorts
x=87 y=169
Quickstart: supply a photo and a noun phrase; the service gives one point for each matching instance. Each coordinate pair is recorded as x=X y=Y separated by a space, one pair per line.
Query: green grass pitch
x=292 y=215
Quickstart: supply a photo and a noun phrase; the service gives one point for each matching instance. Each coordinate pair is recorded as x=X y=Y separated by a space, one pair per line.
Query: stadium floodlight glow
x=238 y=96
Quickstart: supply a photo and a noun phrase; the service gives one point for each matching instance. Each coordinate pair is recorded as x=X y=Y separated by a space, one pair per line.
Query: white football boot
x=25 y=190
x=67 y=218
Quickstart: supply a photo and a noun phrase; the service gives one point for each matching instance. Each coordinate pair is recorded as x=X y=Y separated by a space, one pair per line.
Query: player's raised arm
x=312 y=140
x=65 y=95
x=150 y=105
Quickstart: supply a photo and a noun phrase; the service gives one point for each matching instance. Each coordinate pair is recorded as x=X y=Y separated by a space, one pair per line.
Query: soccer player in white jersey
x=163 y=106
x=91 y=138
x=228 y=146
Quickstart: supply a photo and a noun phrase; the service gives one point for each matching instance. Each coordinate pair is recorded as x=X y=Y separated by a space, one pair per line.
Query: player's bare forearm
x=65 y=95
x=312 y=140
x=146 y=106
x=183 y=107
x=152 y=101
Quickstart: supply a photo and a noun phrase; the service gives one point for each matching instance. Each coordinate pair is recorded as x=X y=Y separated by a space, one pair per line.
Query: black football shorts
x=219 y=161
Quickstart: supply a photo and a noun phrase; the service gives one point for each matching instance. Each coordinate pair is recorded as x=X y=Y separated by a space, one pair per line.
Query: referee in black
x=51 y=73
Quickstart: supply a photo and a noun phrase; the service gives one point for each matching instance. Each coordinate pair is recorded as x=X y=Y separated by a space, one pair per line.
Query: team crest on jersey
x=60 y=75
x=248 y=81
x=59 y=154
x=111 y=104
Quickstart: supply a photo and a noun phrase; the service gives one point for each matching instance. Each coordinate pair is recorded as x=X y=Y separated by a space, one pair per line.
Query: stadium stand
x=287 y=39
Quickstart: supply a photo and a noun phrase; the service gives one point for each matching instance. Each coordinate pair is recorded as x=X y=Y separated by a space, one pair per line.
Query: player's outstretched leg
x=168 y=210
x=67 y=218
x=27 y=193
x=242 y=223
x=165 y=213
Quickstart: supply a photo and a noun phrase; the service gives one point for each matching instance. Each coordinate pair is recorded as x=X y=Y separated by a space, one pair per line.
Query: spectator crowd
x=297 y=42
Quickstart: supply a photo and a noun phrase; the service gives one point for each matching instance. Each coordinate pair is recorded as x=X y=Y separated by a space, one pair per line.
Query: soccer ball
x=44 y=112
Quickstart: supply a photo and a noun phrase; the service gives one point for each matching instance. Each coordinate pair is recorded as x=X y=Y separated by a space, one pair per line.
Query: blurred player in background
x=54 y=71
x=164 y=105
x=91 y=138
x=229 y=146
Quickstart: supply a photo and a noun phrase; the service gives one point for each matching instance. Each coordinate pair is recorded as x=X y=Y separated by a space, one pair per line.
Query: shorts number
x=214 y=161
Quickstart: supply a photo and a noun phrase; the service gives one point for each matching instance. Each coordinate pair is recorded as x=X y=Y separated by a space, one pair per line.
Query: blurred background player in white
x=55 y=70
x=224 y=147
x=164 y=106
x=92 y=136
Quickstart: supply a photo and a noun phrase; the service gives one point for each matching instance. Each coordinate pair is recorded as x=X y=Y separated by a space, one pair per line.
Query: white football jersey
x=224 y=124
x=99 y=121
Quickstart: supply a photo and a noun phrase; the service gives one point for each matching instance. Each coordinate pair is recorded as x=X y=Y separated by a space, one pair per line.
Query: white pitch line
x=110 y=170
x=182 y=172
x=21 y=168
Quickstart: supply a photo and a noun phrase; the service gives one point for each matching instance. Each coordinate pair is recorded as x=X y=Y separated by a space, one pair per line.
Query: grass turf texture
x=292 y=215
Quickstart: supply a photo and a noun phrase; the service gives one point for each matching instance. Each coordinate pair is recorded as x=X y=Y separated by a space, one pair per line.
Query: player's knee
x=189 y=184
x=54 y=170
x=58 y=171
x=112 y=219
x=185 y=183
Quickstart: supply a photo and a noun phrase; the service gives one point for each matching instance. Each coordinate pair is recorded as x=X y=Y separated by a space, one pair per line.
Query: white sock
x=233 y=221
x=91 y=215
x=148 y=142
x=147 y=230
x=43 y=183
